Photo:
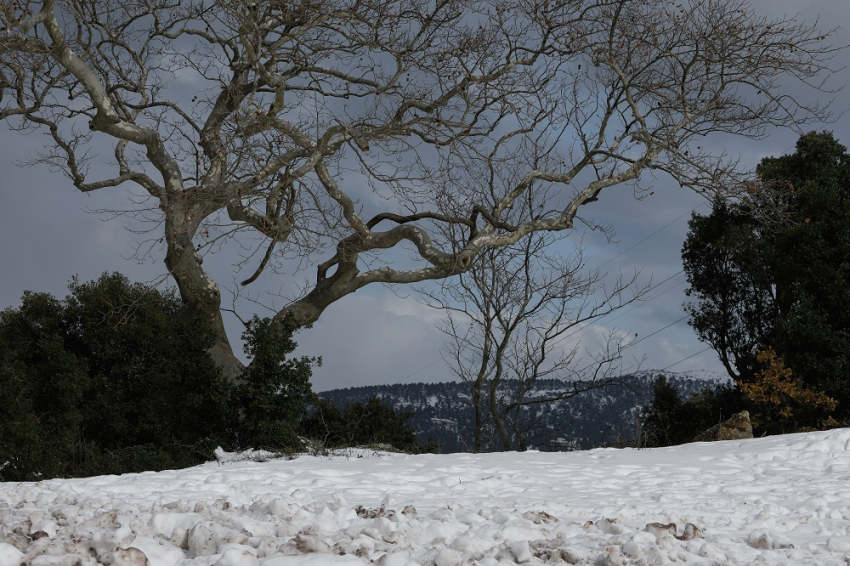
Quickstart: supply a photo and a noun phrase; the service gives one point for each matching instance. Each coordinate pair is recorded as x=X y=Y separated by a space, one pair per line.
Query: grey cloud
x=368 y=338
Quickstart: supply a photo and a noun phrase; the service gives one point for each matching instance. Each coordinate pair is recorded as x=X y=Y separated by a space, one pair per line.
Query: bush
x=42 y=392
x=113 y=379
x=359 y=424
x=782 y=403
x=272 y=392
x=110 y=380
x=669 y=420
x=152 y=381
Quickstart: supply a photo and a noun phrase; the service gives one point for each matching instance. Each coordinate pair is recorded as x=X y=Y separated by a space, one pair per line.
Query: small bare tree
x=508 y=319
x=275 y=124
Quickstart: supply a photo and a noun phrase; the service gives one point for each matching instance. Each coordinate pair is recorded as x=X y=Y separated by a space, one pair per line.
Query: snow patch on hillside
x=711 y=377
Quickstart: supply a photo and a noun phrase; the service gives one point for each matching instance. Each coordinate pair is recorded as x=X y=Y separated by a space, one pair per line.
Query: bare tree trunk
x=461 y=126
x=495 y=409
x=200 y=294
x=479 y=424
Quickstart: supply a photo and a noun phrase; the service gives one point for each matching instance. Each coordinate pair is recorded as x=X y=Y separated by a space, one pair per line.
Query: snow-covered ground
x=771 y=501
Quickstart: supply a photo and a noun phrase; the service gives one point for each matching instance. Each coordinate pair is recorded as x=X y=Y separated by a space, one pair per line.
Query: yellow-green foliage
x=779 y=397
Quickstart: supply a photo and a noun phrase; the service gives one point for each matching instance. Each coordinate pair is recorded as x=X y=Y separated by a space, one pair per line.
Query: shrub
x=42 y=392
x=273 y=391
x=359 y=424
x=669 y=420
x=110 y=380
x=782 y=402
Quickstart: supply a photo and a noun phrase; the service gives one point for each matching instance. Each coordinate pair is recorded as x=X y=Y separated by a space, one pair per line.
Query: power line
x=640 y=304
x=633 y=246
x=686 y=359
x=420 y=370
x=624 y=313
x=627 y=346
x=636 y=342
x=589 y=323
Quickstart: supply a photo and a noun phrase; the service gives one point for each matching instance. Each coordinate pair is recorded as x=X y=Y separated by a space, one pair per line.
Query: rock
x=737 y=427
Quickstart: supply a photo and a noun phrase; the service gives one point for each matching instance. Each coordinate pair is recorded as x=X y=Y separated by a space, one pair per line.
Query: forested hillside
x=601 y=417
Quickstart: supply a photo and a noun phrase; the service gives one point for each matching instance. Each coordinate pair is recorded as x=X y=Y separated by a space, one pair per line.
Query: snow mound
x=250 y=455
x=772 y=501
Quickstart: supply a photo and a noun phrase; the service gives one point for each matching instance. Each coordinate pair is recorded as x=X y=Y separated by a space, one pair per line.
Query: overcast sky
x=48 y=233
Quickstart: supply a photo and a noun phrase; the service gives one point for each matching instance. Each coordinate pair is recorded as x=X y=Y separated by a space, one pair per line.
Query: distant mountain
x=600 y=417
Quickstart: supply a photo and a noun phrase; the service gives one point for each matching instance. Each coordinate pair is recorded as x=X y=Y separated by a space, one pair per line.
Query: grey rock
x=738 y=426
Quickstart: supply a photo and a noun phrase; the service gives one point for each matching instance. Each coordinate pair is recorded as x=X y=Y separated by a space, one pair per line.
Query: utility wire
x=627 y=346
x=648 y=290
x=642 y=303
x=633 y=246
x=686 y=359
x=420 y=370
x=589 y=323
x=636 y=342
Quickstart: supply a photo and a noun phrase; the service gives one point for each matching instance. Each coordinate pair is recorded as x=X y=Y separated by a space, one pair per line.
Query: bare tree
x=508 y=319
x=275 y=124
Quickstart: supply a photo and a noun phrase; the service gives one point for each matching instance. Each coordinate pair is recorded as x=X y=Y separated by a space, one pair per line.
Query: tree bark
x=199 y=292
x=462 y=126
x=476 y=403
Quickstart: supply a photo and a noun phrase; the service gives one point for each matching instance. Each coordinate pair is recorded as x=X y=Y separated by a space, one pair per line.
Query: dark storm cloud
x=376 y=336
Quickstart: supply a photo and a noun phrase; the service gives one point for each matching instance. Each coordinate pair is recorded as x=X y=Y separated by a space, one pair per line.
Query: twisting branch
x=395 y=111
x=507 y=321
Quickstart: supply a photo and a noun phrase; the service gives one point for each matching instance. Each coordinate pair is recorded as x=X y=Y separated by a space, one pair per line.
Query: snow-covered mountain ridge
x=600 y=417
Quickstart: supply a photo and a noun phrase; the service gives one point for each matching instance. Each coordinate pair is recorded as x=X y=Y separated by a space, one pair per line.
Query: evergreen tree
x=273 y=391
x=662 y=420
x=360 y=424
x=42 y=392
x=114 y=379
x=669 y=419
x=154 y=393
x=773 y=272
